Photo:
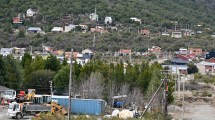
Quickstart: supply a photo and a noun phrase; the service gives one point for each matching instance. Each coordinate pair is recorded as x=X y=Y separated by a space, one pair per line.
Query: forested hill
x=152 y=12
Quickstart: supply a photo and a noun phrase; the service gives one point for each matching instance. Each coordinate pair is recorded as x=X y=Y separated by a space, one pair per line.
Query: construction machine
x=19 y=110
x=22 y=97
x=57 y=109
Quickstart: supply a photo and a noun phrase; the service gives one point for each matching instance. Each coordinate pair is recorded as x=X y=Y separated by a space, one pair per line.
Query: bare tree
x=93 y=87
x=136 y=97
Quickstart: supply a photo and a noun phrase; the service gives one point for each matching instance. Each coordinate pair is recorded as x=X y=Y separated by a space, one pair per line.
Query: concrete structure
x=30 y=13
x=34 y=30
x=177 y=34
x=108 y=20
x=6 y=51
x=57 y=29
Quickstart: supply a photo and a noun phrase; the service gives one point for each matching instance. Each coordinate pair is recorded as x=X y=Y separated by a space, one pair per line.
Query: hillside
x=152 y=12
x=155 y=14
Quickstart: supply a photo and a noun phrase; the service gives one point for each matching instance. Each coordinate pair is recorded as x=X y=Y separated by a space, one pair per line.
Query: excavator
x=22 y=97
x=57 y=109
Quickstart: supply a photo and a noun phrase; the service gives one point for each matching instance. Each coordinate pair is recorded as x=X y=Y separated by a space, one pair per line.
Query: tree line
x=96 y=79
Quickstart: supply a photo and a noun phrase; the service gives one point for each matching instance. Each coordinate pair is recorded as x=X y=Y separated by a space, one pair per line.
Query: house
x=30 y=13
x=211 y=60
x=144 y=32
x=124 y=52
x=178 y=61
x=69 y=28
x=99 y=29
x=183 y=51
x=78 y=57
x=210 y=68
x=87 y=55
x=6 y=51
x=188 y=32
x=108 y=20
x=34 y=30
x=210 y=55
x=136 y=19
x=196 y=51
x=47 y=49
x=177 y=69
x=18 y=53
x=57 y=29
x=17 y=20
x=154 y=49
x=94 y=16
x=84 y=27
x=165 y=34
x=177 y=34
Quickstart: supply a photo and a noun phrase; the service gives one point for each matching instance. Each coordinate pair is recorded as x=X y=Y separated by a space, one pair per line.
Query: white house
x=30 y=12
x=34 y=30
x=108 y=20
x=136 y=19
x=6 y=51
x=177 y=34
x=94 y=16
x=69 y=28
x=57 y=29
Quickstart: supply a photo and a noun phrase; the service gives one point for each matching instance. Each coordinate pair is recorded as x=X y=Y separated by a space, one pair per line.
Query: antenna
x=94 y=39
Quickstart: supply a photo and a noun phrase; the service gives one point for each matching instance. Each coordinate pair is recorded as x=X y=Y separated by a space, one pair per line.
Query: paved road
x=3 y=115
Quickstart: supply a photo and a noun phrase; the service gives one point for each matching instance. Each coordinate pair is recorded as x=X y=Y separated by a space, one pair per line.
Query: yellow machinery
x=57 y=109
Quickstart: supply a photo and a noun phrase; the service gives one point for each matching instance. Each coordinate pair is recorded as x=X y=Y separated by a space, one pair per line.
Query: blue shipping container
x=82 y=106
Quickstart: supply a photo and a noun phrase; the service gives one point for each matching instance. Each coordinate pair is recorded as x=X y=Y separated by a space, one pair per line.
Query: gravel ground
x=3 y=115
x=193 y=111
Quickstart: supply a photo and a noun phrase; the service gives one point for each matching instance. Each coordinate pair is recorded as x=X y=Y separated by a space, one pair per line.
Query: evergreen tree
x=2 y=70
x=13 y=73
x=52 y=63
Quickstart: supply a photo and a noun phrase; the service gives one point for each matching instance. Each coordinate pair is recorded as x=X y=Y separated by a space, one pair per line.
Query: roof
x=179 y=61
x=125 y=51
x=57 y=29
x=87 y=51
x=6 y=49
x=34 y=29
x=2 y=88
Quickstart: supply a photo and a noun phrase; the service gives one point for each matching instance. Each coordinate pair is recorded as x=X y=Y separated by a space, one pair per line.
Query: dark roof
x=2 y=88
x=179 y=61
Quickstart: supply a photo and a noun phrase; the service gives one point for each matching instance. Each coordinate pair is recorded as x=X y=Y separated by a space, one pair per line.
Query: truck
x=8 y=95
x=19 y=110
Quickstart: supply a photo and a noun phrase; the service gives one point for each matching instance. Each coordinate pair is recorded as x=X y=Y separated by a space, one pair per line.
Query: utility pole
x=163 y=82
x=94 y=39
x=51 y=88
x=165 y=93
x=70 y=86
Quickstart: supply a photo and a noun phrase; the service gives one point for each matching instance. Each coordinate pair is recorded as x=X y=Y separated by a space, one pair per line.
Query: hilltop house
x=108 y=20
x=177 y=34
x=17 y=20
x=124 y=52
x=34 y=30
x=6 y=51
x=69 y=28
x=94 y=16
x=57 y=29
x=136 y=19
x=144 y=32
x=99 y=29
x=196 y=51
x=30 y=13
